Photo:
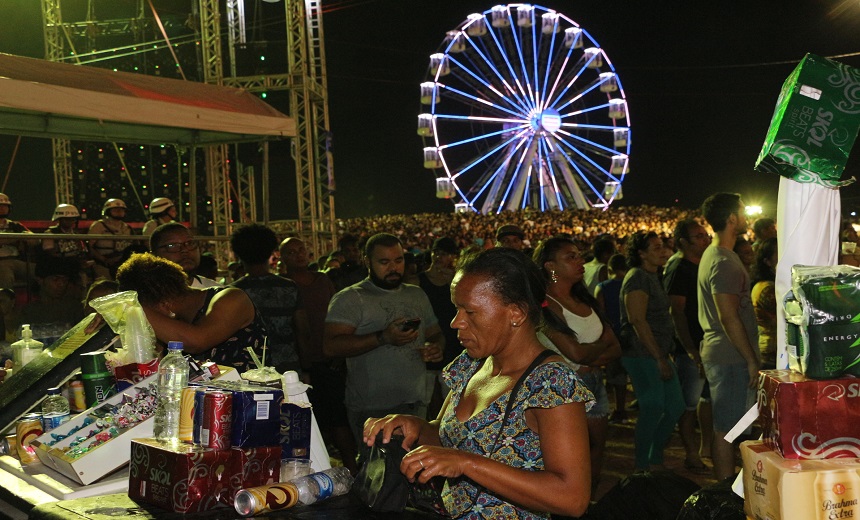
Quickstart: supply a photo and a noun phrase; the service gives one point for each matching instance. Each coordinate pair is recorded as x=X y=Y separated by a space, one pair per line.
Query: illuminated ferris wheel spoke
x=481 y=159
x=587 y=142
x=524 y=109
x=455 y=93
x=496 y=72
x=524 y=98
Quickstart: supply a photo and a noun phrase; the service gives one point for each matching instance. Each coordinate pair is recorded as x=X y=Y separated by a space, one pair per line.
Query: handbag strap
x=537 y=361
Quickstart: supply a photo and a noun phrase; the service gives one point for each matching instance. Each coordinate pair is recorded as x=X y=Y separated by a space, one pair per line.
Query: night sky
x=701 y=81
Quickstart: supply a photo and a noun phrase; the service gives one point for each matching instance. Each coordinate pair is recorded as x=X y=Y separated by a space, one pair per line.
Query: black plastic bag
x=382 y=486
x=714 y=502
x=656 y=495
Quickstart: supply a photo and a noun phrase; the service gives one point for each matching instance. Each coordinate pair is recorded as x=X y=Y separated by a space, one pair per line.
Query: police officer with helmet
x=75 y=250
x=107 y=253
x=13 y=265
x=161 y=211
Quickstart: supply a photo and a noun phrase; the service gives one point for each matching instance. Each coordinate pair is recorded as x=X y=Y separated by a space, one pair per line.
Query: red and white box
x=252 y=467
x=803 y=418
x=184 y=478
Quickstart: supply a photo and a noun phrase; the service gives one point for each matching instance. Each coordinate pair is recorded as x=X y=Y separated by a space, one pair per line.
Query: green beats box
x=815 y=123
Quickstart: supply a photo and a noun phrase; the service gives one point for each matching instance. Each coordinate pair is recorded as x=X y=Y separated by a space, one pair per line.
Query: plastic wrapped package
x=822 y=314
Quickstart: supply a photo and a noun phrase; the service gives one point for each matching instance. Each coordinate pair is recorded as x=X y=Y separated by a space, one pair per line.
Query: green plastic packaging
x=815 y=123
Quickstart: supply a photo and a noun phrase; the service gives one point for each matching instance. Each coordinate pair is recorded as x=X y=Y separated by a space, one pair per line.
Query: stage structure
x=229 y=186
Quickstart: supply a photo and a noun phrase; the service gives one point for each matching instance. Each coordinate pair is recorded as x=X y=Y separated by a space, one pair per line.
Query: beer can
x=217 y=420
x=261 y=499
x=198 y=416
x=12 y=442
x=186 y=414
x=26 y=430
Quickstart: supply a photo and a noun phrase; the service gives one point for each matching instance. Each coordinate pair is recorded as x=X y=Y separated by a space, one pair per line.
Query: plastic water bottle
x=325 y=484
x=172 y=378
x=55 y=409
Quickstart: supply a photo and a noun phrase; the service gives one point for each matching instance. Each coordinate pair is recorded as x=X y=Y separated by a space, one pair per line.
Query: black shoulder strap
x=513 y=396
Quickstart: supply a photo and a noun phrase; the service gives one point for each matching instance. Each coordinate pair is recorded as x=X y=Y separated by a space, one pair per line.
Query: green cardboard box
x=815 y=123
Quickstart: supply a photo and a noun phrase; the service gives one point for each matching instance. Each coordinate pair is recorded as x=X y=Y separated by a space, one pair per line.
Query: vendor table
x=108 y=507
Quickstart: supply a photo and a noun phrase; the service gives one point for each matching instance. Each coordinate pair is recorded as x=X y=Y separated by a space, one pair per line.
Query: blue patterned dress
x=549 y=385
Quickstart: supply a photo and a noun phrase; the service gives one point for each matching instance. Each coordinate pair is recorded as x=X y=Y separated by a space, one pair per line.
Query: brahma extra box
x=804 y=418
x=776 y=488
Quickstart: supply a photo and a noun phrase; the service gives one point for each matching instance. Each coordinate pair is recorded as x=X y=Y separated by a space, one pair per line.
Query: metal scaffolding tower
x=305 y=80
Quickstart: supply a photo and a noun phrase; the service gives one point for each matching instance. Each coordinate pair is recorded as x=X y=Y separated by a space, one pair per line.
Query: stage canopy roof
x=40 y=98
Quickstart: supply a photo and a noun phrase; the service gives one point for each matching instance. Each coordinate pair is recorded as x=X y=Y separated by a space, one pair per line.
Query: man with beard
x=375 y=325
x=729 y=351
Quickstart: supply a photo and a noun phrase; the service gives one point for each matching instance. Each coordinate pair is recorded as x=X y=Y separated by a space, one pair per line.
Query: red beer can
x=217 y=420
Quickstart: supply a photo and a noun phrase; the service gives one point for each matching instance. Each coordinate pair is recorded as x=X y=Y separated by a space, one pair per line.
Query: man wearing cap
x=12 y=267
x=436 y=283
x=106 y=253
x=511 y=236
x=161 y=211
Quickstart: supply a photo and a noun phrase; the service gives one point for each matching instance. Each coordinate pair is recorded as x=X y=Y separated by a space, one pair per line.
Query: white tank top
x=588 y=329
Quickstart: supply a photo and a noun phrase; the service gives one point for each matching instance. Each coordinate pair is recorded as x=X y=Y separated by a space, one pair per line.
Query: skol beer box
x=181 y=478
x=776 y=488
x=252 y=467
x=815 y=122
x=295 y=435
x=96 y=442
x=804 y=418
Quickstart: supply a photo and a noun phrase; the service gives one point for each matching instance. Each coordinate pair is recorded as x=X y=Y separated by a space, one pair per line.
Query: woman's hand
x=426 y=462
x=409 y=426
x=665 y=369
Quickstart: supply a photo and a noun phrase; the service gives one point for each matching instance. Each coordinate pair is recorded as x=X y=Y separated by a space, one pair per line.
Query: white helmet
x=159 y=205
x=4 y=199
x=113 y=203
x=66 y=211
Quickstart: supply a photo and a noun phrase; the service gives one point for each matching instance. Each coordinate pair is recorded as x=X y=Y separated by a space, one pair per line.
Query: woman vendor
x=540 y=464
x=217 y=323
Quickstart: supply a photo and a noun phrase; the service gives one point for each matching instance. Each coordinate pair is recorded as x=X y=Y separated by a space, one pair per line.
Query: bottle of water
x=55 y=409
x=320 y=486
x=172 y=378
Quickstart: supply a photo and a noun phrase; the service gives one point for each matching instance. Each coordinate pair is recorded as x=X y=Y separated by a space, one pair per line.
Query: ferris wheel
x=522 y=108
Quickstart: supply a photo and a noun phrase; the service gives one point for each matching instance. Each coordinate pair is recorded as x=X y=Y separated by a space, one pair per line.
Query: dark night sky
x=701 y=81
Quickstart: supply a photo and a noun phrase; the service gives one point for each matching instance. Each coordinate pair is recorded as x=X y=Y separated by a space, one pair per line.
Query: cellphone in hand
x=411 y=324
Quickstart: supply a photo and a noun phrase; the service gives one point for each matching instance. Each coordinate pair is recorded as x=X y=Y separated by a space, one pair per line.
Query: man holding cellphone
x=386 y=330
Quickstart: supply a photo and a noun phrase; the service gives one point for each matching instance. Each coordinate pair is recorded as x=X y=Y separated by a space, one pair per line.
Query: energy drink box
x=823 y=321
x=803 y=418
x=815 y=122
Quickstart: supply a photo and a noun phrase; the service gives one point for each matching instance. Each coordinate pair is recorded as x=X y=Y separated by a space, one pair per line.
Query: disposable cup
x=294 y=468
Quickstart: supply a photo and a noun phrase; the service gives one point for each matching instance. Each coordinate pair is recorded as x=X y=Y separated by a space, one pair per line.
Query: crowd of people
x=397 y=335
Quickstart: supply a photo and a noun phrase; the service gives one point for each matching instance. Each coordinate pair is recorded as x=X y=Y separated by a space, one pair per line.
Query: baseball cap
x=509 y=229
x=446 y=245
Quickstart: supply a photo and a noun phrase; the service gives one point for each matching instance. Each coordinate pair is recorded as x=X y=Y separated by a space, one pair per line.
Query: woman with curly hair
x=647 y=339
x=216 y=323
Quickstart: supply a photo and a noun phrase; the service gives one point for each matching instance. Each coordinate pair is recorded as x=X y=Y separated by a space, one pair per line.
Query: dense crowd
x=418 y=231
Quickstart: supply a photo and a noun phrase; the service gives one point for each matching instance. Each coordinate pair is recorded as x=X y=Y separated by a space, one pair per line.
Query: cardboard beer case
x=815 y=122
x=186 y=478
x=183 y=479
x=295 y=435
x=804 y=418
x=776 y=488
